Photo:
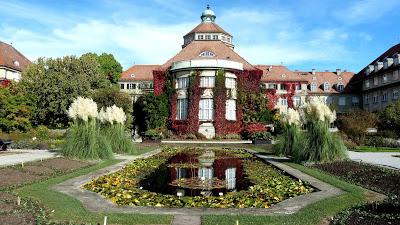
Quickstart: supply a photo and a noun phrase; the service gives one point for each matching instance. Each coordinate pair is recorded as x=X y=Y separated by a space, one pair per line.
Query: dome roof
x=208 y=15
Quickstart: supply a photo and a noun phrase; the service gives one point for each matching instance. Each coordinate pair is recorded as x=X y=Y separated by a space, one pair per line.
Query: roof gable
x=139 y=73
x=12 y=58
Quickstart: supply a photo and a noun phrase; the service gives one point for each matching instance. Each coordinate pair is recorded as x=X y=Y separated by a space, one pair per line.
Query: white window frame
x=215 y=37
x=326 y=86
x=340 y=87
x=313 y=87
x=284 y=101
x=206 y=109
x=207 y=54
x=395 y=95
x=230 y=178
x=206 y=173
x=200 y=37
x=208 y=37
x=207 y=81
x=182 y=82
x=297 y=100
x=182 y=109
x=230 y=83
x=230 y=109
x=122 y=86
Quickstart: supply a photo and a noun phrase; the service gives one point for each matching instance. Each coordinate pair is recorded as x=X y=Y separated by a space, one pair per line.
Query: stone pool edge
x=95 y=202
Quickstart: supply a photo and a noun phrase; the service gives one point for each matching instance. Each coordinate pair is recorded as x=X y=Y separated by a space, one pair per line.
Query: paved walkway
x=385 y=159
x=24 y=156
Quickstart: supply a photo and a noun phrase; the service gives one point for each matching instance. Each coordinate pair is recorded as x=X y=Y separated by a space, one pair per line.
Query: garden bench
x=4 y=144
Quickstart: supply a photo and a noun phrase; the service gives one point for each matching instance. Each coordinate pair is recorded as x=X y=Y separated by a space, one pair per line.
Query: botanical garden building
x=204 y=81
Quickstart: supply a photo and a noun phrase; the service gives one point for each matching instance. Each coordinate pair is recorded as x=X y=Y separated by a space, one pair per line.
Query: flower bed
x=371 y=177
x=268 y=185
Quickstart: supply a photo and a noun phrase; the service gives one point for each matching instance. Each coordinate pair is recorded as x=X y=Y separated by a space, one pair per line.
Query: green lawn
x=68 y=209
x=312 y=214
x=375 y=149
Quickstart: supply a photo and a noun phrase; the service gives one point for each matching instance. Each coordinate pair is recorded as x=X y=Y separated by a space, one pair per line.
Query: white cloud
x=367 y=10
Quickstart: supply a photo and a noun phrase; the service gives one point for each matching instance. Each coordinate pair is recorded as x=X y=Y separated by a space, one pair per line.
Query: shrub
x=264 y=135
x=152 y=134
x=42 y=132
x=350 y=124
x=251 y=128
x=150 y=112
x=390 y=117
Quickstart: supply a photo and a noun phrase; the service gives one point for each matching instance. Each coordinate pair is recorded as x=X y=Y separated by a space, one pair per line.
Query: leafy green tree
x=55 y=83
x=255 y=108
x=15 y=110
x=390 y=117
x=150 y=112
x=110 y=96
x=110 y=67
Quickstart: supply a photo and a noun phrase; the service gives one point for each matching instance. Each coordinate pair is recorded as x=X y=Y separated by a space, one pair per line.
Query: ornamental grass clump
x=113 y=119
x=84 y=139
x=292 y=141
x=316 y=143
x=322 y=145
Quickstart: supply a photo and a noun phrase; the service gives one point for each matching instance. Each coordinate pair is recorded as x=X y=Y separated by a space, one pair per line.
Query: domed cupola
x=208 y=30
x=208 y=15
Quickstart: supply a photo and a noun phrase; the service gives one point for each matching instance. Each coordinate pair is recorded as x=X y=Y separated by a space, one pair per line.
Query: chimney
x=313 y=71
x=338 y=72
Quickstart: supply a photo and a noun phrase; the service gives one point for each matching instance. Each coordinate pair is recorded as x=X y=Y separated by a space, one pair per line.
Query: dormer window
x=340 y=87
x=16 y=63
x=313 y=87
x=326 y=86
x=200 y=37
x=228 y=39
x=207 y=54
x=215 y=37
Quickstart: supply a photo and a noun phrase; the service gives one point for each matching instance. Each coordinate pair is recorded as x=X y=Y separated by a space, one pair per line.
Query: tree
x=55 y=83
x=15 y=110
x=109 y=66
x=390 y=117
x=109 y=96
x=150 y=112
x=350 y=124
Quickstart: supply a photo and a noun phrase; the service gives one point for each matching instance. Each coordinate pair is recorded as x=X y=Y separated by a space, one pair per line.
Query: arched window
x=313 y=87
x=326 y=86
x=207 y=54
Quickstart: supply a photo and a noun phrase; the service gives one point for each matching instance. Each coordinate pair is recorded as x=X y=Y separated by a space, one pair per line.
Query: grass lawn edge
x=63 y=208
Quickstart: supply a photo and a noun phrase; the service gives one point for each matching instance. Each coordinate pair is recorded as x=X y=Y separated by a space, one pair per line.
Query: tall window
x=395 y=95
x=355 y=101
x=284 y=101
x=367 y=83
x=384 y=97
x=342 y=101
x=298 y=87
x=180 y=173
x=375 y=98
x=384 y=78
x=313 y=87
x=367 y=99
x=297 y=100
x=396 y=74
x=230 y=112
x=182 y=109
x=182 y=82
x=207 y=82
x=205 y=173
x=122 y=86
x=376 y=82
x=230 y=83
x=230 y=178
x=206 y=109
x=326 y=86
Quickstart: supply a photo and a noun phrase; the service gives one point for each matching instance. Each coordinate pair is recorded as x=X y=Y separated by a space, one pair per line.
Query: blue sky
x=302 y=34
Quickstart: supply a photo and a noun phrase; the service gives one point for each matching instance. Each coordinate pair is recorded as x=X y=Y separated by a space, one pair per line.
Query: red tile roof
x=278 y=73
x=9 y=56
x=221 y=51
x=139 y=73
x=331 y=77
x=208 y=28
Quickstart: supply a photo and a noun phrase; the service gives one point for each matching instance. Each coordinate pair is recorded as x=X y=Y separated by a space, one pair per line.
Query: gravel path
x=385 y=159
x=24 y=156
